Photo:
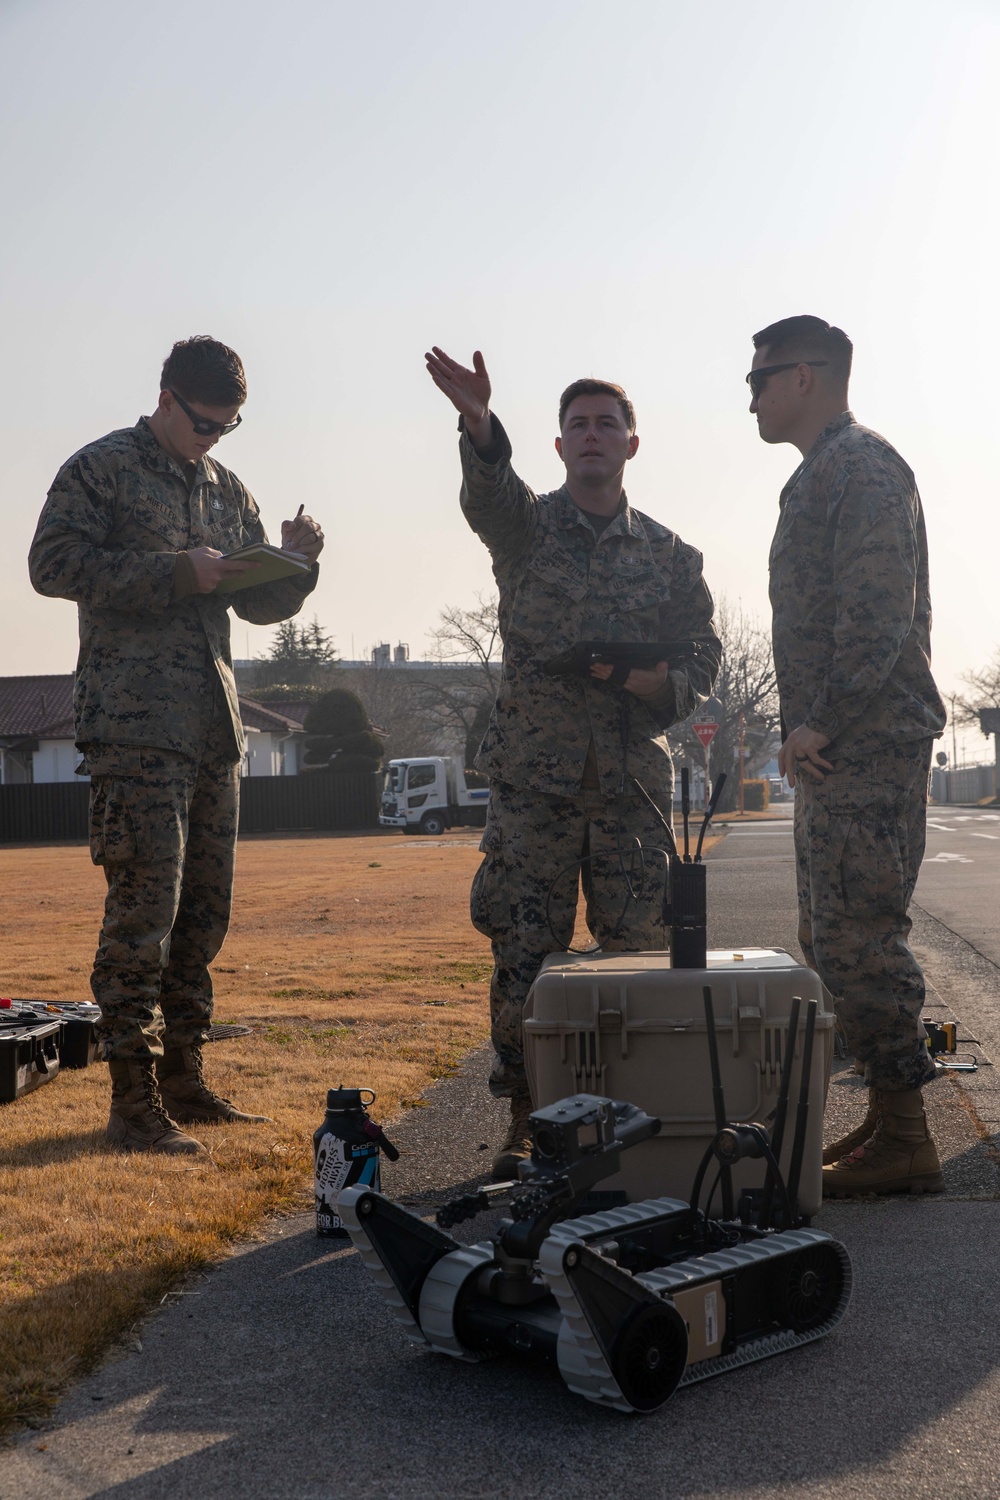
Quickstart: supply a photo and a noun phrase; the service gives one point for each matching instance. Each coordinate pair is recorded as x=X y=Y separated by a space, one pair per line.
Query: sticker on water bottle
x=339 y=1166
x=332 y=1170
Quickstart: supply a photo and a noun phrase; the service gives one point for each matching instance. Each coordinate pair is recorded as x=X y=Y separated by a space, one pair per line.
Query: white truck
x=428 y=794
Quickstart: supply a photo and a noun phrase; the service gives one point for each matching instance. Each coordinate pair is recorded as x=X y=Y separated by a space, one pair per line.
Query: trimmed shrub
x=337 y=714
x=340 y=736
x=756 y=796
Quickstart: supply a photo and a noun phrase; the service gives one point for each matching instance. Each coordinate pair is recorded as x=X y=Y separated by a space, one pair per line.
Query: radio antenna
x=718 y=1099
x=780 y=1113
x=713 y=803
x=802 y=1112
x=686 y=810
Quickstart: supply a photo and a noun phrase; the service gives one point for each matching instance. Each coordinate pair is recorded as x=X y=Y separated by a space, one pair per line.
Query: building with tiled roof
x=36 y=732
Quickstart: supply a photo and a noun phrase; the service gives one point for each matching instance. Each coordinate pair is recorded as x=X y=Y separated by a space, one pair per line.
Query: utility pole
x=742 y=721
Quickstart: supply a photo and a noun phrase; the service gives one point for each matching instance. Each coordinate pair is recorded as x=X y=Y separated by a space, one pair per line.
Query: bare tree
x=458 y=702
x=746 y=685
x=394 y=700
x=984 y=692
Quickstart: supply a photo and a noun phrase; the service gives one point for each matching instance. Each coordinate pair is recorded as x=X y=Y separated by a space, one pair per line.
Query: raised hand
x=468 y=391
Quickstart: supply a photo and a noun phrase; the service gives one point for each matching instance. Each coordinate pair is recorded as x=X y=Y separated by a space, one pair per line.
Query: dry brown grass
x=354 y=961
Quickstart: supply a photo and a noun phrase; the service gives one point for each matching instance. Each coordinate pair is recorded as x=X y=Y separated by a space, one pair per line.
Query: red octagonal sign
x=705 y=729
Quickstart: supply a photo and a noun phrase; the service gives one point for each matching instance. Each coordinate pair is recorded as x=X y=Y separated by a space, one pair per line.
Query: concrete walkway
x=281 y=1375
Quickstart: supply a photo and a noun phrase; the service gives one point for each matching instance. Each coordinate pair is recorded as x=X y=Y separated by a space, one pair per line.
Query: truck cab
x=429 y=794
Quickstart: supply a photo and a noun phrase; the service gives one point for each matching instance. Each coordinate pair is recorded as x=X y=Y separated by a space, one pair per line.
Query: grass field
x=353 y=960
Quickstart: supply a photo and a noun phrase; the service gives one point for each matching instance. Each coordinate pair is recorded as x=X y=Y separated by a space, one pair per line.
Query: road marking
x=974 y=835
x=941 y=827
x=946 y=859
x=745 y=833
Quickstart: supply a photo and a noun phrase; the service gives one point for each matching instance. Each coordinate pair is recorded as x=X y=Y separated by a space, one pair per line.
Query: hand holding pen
x=303 y=534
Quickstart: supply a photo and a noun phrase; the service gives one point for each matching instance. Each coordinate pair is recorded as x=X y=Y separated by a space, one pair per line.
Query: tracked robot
x=632 y=1302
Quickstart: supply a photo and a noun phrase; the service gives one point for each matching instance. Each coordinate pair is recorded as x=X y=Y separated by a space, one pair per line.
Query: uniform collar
x=157 y=458
x=830 y=431
x=569 y=514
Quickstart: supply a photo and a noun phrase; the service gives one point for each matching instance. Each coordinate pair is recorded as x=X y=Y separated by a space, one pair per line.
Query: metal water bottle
x=346 y=1153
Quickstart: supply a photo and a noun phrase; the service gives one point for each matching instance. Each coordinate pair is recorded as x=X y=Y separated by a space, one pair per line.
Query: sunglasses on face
x=202 y=425
x=757 y=378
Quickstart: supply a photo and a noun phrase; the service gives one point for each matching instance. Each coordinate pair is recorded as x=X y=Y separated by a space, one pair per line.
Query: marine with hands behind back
x=860 y=710
x=134 y=530
x=562 y=752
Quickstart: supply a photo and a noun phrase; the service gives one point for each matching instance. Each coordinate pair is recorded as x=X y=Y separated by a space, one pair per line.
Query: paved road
x=960 y=877
x=282 y=1377
x=959 y=883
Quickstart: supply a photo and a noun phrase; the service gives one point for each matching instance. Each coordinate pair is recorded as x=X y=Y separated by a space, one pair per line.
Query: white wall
x=56 y=760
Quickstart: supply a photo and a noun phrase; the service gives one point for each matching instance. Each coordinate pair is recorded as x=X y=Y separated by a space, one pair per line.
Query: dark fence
x=279 y=804
x=268 y=804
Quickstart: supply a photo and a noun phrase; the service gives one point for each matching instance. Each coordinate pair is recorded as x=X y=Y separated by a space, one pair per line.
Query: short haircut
x=591 y=387
x=202 y=369
x=805 y=338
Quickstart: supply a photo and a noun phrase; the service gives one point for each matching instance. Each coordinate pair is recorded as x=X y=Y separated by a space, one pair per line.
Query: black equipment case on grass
x=77 y=1044
x=29 y=1054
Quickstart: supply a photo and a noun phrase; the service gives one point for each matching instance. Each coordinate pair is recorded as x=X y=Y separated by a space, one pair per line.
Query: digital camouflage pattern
x=530 y=841
x=156 y=716
x=560 y=582
x=851 y=598
x=554 y=747
x=851 y=632
x=859 y=840
x=108 y=537
x=163 y=826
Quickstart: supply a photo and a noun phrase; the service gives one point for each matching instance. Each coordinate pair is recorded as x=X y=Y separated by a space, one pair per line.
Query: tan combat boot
x=188 y=1097
x=899 y=1158
x=857 y=1137
x=138 y=1121
x=516 y=1145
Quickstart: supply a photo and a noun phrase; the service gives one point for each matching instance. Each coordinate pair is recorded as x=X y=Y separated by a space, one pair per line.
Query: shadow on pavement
x=287 y=1377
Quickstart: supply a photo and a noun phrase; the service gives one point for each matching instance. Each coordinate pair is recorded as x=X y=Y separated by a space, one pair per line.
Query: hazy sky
x=570 y=186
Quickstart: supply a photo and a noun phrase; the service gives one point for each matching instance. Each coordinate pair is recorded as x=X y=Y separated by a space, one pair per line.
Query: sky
x=574 y=188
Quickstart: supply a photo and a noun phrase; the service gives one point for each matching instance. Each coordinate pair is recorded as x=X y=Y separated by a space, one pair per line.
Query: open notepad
x=270 y=563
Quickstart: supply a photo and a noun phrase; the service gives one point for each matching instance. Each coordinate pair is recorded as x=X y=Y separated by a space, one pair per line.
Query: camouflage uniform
x=156 y=716
x=851 y=633
x=555 y=747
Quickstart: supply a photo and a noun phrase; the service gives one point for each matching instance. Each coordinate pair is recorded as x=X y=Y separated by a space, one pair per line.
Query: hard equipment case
x=78 y=1043
x=628 y=1026
x=29 y=1055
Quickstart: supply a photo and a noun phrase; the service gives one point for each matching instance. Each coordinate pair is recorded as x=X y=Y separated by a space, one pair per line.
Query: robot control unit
x=629 y=1302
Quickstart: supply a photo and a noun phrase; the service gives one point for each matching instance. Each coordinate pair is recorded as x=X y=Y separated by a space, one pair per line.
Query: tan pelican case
x=628 y=1026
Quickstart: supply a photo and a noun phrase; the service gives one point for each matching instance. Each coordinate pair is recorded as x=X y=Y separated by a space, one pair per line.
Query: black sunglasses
x=756 y=378
x=202 y=426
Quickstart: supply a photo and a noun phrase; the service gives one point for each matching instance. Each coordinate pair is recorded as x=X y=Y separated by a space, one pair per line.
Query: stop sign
x=705 y=729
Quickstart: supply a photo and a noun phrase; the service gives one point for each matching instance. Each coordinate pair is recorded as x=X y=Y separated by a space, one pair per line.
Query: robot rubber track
x=631 y=1302
x=618 y=1339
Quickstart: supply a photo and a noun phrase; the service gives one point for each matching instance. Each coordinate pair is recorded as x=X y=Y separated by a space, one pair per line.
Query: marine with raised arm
x=563 y=754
